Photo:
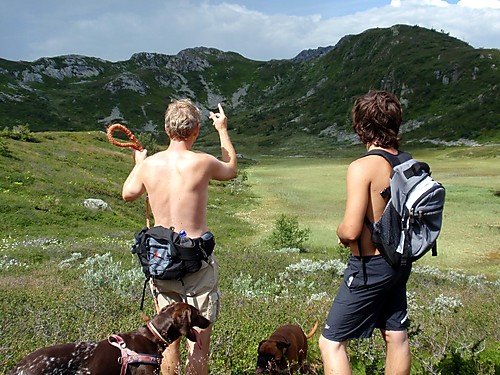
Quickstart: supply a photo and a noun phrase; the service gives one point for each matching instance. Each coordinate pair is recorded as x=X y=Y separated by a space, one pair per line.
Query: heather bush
x=448 y=330
x=19 y=133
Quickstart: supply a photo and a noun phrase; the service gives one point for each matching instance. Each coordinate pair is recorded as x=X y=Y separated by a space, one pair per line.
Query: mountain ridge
x=448 y=89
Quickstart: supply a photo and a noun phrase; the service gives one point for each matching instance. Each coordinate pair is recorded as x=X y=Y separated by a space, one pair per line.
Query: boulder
x=96 y=204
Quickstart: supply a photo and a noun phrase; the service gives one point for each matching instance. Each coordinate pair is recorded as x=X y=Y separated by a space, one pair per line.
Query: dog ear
x=183 y=320
x=163 y=321
x=198 y=320
x=283 y=346
x=179 y=323
x=260 y=344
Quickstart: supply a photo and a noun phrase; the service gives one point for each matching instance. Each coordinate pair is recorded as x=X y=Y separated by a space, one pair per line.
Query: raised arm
x=228 y=167
x=133 y=187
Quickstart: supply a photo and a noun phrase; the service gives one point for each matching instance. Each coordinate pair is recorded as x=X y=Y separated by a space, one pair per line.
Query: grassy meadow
x=67 y=274
x=314 y=190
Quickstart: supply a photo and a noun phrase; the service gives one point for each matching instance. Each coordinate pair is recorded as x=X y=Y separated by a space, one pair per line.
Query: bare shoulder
x=204 y=158
x=201 y=154
x=156 y=159
x=361 y=166
x=372 y=164
x=367 y=170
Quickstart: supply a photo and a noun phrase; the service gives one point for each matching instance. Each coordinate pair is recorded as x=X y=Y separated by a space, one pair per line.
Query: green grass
x=67 y=274
x=314 y=189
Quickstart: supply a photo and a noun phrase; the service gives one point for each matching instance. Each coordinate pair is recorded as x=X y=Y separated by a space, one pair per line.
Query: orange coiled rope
x=134 y=143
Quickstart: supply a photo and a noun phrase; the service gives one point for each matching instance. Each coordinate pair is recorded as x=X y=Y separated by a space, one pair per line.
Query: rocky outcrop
x=127 y=81
x=310 y=54
x=60 y=68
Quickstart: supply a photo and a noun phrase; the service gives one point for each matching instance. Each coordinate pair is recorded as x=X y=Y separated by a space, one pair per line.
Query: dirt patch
x=494 y=255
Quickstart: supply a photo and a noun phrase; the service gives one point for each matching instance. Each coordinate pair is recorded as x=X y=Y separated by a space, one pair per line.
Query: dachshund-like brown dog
x=135 y=352
x=285 y=351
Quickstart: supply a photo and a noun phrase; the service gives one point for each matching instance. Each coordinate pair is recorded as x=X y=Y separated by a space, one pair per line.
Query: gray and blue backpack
x=412 y=218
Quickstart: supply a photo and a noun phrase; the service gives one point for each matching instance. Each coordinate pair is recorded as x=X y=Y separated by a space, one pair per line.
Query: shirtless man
x=176 y=181
x=373 y=294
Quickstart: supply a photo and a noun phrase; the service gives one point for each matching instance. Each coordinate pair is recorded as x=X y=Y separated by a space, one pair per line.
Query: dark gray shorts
x=359 y=308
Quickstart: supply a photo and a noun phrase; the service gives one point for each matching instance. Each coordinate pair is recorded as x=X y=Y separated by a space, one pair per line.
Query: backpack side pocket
x=386 y=235
x=139 y=247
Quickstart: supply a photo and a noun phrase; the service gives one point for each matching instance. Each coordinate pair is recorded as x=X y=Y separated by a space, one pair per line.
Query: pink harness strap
x=129 y=356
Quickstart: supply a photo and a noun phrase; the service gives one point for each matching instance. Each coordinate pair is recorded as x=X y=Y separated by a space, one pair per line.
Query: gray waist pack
x=166 y=255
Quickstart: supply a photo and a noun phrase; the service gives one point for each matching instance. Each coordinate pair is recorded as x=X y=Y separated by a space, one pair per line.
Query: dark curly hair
x=376 y=118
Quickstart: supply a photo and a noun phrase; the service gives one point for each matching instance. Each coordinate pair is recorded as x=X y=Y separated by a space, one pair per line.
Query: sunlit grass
x=314 y=189
x=67 y=274
x=261 y=290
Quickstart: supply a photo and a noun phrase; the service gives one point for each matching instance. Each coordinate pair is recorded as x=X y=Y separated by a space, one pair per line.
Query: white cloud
x=480 y=4
x=479 y=26
x=114 y=30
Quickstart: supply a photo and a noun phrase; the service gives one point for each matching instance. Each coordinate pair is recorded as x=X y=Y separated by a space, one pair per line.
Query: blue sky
x=257 y=29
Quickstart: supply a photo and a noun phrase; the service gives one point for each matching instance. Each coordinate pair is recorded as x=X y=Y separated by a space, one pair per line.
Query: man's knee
x=174 y=347
x=328 y=346
x=395 y=338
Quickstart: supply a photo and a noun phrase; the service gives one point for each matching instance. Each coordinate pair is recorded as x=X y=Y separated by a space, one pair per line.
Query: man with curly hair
x=372 y=294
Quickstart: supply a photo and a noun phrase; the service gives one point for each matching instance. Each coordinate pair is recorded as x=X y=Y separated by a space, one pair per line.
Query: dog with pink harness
x=139 y=351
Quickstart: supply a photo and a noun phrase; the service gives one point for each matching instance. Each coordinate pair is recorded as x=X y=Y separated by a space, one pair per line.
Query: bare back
x=367 y=177
x=379 y=176
x=176 y=180
x=177 y=185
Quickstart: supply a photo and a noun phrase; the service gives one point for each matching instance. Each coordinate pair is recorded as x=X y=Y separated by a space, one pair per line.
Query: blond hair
x=182 y=118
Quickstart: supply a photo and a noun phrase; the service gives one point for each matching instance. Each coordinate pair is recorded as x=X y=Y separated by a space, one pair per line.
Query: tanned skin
x=366 y=178
x=176 y=181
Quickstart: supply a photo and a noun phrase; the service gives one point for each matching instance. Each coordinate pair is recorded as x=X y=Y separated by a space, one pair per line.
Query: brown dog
x=135 y=352
x=284 y=351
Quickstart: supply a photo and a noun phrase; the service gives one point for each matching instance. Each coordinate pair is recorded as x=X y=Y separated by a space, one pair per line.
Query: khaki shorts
x=199 y=289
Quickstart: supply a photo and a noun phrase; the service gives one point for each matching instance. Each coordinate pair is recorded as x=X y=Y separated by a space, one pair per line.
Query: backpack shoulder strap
x=416 y=169
x=393 y=160
x=400 y=158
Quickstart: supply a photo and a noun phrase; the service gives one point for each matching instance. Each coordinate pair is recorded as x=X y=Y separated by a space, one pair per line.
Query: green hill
x=43 y=184
x=449 y=90
x=45 y=178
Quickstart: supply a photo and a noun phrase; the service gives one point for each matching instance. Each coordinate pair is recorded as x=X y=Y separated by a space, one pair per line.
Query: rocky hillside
x=449 y=89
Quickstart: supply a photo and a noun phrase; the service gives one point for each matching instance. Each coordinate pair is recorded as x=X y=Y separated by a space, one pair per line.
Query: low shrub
x=19 y=133
x=287 y=233
x=452 y=328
